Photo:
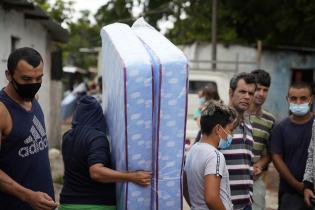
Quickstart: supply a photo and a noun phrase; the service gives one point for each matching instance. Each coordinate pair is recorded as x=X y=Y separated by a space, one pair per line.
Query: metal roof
x=33 y=12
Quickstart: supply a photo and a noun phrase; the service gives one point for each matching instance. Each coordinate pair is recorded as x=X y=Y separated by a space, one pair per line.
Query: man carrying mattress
x=238 y=154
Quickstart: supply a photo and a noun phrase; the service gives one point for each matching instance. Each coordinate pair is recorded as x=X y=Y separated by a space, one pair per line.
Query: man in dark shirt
x=25 y=178
x=289 y=143
x=89 y=181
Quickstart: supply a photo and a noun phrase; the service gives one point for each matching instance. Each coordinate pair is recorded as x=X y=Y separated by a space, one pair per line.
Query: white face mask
x=225 y=143
x=299 y=109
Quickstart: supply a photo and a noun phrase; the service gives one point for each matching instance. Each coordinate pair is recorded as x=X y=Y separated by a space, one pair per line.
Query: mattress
x=145 y=81
x=170 y=97
x=128 y=108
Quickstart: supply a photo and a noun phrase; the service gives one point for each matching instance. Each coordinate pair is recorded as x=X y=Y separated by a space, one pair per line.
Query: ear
x=230 y=92
x=217 y=129
x=8 y=75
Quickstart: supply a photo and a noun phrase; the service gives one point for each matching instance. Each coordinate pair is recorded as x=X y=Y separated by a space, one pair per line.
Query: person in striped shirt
x=262 y=123
x=239 y=155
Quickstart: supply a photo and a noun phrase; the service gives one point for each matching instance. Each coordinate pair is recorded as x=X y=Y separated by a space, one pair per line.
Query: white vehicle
x=197 y=80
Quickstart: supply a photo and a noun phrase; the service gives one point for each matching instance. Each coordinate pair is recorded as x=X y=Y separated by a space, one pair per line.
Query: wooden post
x=258 y=53
x=214 y=34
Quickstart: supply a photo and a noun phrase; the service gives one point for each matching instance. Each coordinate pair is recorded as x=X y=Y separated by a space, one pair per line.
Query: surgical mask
x=225 y=143
x=26 y=91
x=201 y=100
x=299 y=109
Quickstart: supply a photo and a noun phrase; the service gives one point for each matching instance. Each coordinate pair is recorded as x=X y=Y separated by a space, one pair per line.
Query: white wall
x=202 y=51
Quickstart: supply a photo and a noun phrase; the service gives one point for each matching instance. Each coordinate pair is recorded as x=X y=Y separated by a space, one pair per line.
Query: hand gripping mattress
x=170 y=98
x=128 y=92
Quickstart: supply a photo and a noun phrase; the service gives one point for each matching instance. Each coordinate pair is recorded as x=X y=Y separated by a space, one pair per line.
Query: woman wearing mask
x=206 y=178
x=89 y=179
x=209 y=92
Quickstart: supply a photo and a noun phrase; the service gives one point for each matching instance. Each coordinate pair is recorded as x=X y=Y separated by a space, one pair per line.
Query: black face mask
x=26 y=91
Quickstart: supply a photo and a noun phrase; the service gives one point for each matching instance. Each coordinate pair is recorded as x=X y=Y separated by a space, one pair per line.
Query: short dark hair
x=210 y=91
x=30 y=55
x=247 y=77
x=262 y=77
x=213 y=113
x=301 y=85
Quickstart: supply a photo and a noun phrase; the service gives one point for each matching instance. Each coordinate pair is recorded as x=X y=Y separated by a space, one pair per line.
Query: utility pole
x=214 y=34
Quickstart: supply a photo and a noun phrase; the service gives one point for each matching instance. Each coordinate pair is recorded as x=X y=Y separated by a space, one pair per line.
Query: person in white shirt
x=206 y=178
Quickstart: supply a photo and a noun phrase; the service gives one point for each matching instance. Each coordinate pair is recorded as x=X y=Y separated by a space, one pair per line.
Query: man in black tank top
x=25 y=177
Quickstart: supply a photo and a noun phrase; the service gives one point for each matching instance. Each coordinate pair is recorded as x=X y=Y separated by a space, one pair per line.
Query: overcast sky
x=94 y=5
x=91 y=5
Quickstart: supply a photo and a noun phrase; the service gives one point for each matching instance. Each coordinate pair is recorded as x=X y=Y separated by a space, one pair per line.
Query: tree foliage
x=83 y=34
x=156 y=10
x=115 y=11
x=275 y=22
x=61 y=11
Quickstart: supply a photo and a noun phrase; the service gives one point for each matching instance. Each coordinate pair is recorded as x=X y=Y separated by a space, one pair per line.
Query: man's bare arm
x=38 y=200
x=7 y=184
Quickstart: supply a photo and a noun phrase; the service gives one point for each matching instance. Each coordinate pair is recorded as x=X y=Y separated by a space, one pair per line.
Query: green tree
x=275 y=22
x=83 y=34
x=156 y=10
x=61 y=11
x=115 y=11
x=196 y=23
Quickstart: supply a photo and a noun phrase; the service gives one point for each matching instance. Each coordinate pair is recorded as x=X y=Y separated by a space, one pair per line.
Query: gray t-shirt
x=204 y=159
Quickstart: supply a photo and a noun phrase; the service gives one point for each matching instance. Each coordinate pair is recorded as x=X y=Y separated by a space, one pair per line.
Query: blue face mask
x=225 y=143
x=299 y=109
x=201 y=100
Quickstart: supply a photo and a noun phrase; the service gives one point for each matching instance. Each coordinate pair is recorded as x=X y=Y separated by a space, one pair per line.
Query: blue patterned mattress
x=127 y=101
x=170 y=92
x=145 y=81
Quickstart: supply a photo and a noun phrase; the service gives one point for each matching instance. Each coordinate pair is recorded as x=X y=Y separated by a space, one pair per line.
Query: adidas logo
x=36 y=142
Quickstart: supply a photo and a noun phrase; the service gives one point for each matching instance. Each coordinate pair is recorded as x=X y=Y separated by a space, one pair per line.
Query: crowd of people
x=247 y=148
x=224 y=169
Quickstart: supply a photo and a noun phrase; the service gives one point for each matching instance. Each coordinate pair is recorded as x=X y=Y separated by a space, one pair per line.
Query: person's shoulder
x=203 y=149
x=216 y=157
x=3 y=115
x=283 y=123
x=95 y=135
x=219 y=154
x=248 y=126
x=213 y=153
x=269 y=116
